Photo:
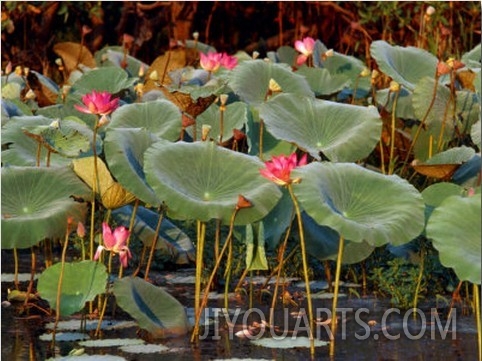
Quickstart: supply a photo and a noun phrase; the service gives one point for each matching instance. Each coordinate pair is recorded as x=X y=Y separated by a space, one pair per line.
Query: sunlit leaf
x=81 y=282
x=203 y=181
x=36 y=203
x=455 y=230
x=341 y=132
x=361 y=205
x=111 y=79
x=153 y=308
x=322 y=82
x=398 y=63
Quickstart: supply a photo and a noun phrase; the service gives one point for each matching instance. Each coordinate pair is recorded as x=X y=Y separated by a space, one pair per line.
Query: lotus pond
x=300 y=203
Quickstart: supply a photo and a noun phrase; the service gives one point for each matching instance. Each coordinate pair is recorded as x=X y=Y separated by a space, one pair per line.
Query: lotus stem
x=222 y=109
x=94 y=189
x=154 y=243
x=477 y=319
x=37 y=155
x=279 y=268
x=261 y=131
x=355 y=87
x=59 y=286
x=454 y=106
x=305 y=268
x=33 y=258
x=422 y=125
x=15 y=260
x=131 y=227
x=391 y=161
x=217 y=237
x=335 y=295
x=419 y=282
x=102 y=312
x=228 y=275
x=201 y=234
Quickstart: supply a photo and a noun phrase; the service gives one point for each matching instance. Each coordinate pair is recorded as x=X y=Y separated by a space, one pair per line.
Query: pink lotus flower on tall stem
x=99 y=103
x=115 y=242
x=211 y=62
x=305 y=47
x=278 y=170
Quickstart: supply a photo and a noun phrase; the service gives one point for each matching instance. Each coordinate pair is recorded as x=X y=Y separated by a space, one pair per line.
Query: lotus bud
x=195 y=35
x=139 y=88
x=104 y=57
x=18 y=70
x=55 y=124
x=454 y=63
x=26 y=71
x=141 y=72
x=80 y=230
x=430 y=11
x=65 y=90
x=274 y=86
x=85 y=30
x=8 y=68
x=394 y=86
x=30 y=95
x=59 y=62
x=442 y=68
x=154 y=75
x=365 y=72
x=255 y=55
x=205 y=129
x=223 y=98
x=375 y=75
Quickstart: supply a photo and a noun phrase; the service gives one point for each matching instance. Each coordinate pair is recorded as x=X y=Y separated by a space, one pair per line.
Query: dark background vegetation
x=30 y=29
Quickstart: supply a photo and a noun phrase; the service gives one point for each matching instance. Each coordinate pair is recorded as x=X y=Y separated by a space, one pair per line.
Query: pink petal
x=98 y=252
x=303 y=160
x=109 y=240
x=120 y=235
x=301 y=59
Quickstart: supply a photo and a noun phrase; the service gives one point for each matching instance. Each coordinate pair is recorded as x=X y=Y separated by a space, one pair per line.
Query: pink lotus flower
x=278 y=170
x=211 y=62
x=305 y=47
x=115 y=242
x=99 y=103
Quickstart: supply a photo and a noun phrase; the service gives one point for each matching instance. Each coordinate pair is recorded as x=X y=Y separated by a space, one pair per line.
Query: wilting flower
x=305 y=47
x=115 y=242
x=278 y=170
x=211 y=62
x=100 y=103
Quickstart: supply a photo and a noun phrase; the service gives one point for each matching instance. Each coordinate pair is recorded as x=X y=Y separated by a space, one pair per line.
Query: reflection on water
x=366 y=335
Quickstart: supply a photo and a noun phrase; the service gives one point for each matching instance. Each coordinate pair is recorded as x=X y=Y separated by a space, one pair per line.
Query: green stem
x=201 y=234
x=261 y=131
x=478 y=320
x=154 y=243
x=102 y=312
x=305 y=268
x=94 y=190
x=222 y=109
x=335 y=295
x=228 y=275
x=419 y=282
x=391 y=161
x=15 y=259
x=59 y=286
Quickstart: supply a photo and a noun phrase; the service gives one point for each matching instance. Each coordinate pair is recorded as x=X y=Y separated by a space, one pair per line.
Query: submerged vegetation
x=357 y=161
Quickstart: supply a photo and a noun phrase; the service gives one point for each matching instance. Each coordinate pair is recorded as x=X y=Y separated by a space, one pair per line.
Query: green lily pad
x=113 y=56
x=203 y=181
x=153 y=308
x=36 y=203
x=359 y=204
x=398 y=63
x=456 y=155
x=342 y=132
x=81 y=282
x=124 y=152
x=110 y=79
x=322 y=82
x=250 y=80
x=455 y=230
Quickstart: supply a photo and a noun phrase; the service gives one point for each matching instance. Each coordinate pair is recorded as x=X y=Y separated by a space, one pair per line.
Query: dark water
x=395 y=336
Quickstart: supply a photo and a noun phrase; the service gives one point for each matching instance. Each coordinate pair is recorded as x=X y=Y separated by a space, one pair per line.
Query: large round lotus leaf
x=342 y=132
x=323 y=243
x=440 y=109
x=36 y=203
x=250 y=80
x=114 y=56
x=322 y=82
x=111 y=79
x=159 y=117
x=203 y=181
x=22 y=149
x=455 y=230
x=456 y=155
x=81 y=282
x=404 y=107
x=360 y=204
x=153 y=308
x=234 y=117
x=124 y=151
x=398 y=63
x=347 y=67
